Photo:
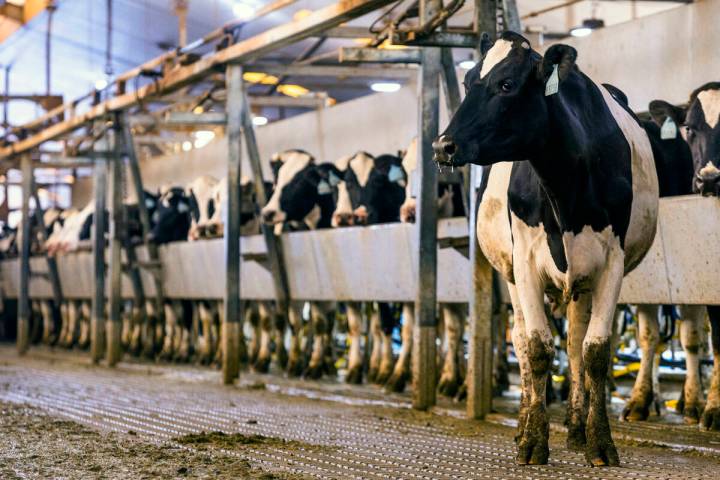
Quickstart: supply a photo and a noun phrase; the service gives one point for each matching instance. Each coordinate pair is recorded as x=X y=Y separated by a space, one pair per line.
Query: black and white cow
x=702 y=132
x=568 y=205
x=370 y=192
x=303 y=199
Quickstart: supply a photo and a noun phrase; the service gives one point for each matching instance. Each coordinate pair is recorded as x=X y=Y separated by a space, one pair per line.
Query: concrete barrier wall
x=378 y=263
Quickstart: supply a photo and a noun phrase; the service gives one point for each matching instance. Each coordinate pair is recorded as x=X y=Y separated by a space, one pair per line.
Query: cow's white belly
x=493 y=226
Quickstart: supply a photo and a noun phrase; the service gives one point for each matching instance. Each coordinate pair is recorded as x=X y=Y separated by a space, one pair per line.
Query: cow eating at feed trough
x=702 y=132
x=568 y=205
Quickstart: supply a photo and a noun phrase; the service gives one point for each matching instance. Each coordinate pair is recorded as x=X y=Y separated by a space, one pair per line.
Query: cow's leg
x=264 y=333
x=73 y=327
x=320 y=323
x=520 y=345
x=641 y=398
x=205 y=352
x=62 y=336
x=501 y=367
x=710 y=419
x=451 y=377
x=578 y=313
x=136 y=329
x=84 y=334
x=401 y=372
x=693 y=317
x=252 y=317
x=376 y=352
x=387 y=325
x=185 y=327
x=279 y=327
x=47 y=322
x=295 y=359
x=168 y=340
x=600 y=449
x=355 y=358
x=125 y=328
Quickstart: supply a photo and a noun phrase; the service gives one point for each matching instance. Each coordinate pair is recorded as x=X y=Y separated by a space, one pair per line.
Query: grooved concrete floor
x=344 y=435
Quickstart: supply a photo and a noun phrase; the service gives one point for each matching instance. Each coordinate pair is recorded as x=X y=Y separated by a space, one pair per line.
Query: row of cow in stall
x=365 y=190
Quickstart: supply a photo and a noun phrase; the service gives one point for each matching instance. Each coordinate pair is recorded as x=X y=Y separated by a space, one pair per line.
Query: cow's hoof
x=532 y=439
x=636 y=410
x=294 y=368
x=372 y=374
x=691 y=413
x=461 y=393
x=262 y=365
x=354 y=376
x=711 y=419
x=382 y=376
x=576 y=441
x=314 y=372
x=396 y=383
x=449 y=385
x=600 y=450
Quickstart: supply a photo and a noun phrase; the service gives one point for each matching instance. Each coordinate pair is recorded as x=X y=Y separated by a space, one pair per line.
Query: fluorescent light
x=581 y=32
x=187 y=146
x=259 y=121
x=467 y=64
x=203 y=137
x=243 y=11
x=385 y=87
x=101 y=84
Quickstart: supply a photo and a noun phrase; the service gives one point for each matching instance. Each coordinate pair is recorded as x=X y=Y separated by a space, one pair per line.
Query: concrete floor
x=324 y=429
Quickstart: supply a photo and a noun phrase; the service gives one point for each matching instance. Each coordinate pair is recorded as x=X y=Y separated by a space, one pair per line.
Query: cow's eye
x=690 y=133
x=507 y=85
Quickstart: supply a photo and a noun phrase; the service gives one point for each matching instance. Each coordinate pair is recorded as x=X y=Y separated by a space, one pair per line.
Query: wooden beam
x=340 y=71
x=243 y=51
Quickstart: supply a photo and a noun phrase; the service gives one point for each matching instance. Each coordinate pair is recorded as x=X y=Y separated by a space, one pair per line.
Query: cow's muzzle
x=708 y=185
x=444 y=149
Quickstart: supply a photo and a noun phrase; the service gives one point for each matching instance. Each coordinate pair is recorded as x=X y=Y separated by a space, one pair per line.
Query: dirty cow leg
x=692 y=319
x=355 y=358
x=401 y=372
x=262 y=335
x=387 y=325
x=295 y=361
x=600 y=449
x=170 y=332
x=451 y=377
x=711 y=416
x=521 y=352
x=578 y=318
x=641 y=398
x=205 y=344
x=376 y=353
x=252 y=318
x=319 y=316
x=48 y=335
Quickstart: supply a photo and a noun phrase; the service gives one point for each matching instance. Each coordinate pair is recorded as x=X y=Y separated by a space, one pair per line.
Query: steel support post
x=152 y=249
x=480 y=367
x=273 y=242
x=97 y=322
x=53 y=275
x=425 y=330
x=23 y=312
x=231 y=305
x=113 y=325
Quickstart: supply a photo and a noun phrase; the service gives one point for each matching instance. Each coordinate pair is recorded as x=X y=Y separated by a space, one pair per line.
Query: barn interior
x=199 y=327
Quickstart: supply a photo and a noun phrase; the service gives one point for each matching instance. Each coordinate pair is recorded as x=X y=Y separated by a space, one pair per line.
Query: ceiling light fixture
x=243 y=11
x=385 y=87
x=101 y=84
x=587 y=27
x=259 y=121
x=467 y=64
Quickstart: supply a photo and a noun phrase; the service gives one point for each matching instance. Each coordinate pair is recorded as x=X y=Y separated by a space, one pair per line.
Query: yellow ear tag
x=553 y=83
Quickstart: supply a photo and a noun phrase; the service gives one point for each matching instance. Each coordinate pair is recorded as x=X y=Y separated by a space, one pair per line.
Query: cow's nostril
x=449 y=148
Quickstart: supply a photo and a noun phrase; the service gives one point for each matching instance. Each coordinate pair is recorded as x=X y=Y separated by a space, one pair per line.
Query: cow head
x=702 y=132
x=302 y=194
x=372 y=190
x=172 y=217
x=504 y=116
x=201 y=195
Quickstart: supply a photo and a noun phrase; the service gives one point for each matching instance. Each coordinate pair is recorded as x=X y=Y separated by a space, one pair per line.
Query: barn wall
x=664 y=56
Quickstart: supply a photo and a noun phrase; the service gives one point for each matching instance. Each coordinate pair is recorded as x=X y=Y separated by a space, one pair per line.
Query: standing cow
x=702 y=132
x=568 y=205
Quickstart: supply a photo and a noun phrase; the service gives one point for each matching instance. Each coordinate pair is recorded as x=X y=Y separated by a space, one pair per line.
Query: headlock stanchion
x=97 y=321
x=424 y=356
x=23 y=315
x=231 y=305
x=117 y=227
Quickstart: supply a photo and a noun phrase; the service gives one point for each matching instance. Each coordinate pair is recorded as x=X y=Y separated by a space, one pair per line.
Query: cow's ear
x=660 y=110
x=558 y=60
x=486 y=43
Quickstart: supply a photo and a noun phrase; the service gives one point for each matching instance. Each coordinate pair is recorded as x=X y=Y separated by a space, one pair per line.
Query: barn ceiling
x=142 y=29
